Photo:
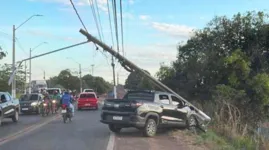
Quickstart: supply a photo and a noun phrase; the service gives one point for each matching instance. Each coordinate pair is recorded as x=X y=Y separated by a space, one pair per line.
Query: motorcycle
x=45 y=108
x=54 y=106
x=66 y=113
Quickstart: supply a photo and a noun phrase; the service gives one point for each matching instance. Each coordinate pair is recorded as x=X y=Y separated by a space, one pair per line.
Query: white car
x=88 y=90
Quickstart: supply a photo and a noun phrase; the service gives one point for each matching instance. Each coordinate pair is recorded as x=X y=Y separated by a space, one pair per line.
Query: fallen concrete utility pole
x=131 y=67
x=54 y=51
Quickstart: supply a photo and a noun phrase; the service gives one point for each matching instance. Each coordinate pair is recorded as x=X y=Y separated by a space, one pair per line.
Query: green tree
x=5 y=71
x=228 y=56
x=2 y=53
x=97 y=83
x=136 y=80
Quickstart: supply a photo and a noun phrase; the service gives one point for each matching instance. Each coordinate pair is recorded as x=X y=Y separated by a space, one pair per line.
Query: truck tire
x=114 y=128
x=150 y=128
x=15 y=118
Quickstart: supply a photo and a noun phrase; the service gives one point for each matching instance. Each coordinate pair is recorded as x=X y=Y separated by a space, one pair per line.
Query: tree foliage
x=66 y=80
x=5 y=72
x=228 y=59
x=136 y=80
x=2 y=53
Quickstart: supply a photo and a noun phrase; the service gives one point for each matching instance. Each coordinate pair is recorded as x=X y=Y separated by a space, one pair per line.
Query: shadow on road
x=133 y=132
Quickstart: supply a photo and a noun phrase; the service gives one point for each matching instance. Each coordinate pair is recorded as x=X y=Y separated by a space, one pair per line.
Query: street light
x=14 y=52
x=30 y=65
x=79 y=72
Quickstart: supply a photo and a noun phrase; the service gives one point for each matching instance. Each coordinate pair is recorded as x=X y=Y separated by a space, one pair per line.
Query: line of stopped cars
x=10 y=108
x=150 y=110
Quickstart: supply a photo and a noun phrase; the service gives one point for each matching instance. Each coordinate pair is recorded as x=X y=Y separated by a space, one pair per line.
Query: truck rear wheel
x=150 y=128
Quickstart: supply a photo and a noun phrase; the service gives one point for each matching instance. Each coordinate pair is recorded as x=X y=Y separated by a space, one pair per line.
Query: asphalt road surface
x=9 y=127
x=85 y=132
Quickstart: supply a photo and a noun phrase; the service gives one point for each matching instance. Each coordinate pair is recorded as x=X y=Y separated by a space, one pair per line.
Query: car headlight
x=34 y=104
x=54 y=101
x=44 y=104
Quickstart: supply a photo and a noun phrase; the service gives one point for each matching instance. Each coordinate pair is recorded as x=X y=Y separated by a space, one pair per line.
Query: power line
x=122 y=45
x=98 y=15
x=95 y=19
x=20 y=46
x=78 y=15
x=115 y=22
x=110 y=24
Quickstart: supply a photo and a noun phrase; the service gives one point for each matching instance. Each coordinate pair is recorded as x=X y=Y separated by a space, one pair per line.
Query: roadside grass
x=212 y=140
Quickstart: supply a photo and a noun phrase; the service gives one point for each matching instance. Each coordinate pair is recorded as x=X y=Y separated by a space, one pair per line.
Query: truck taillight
x=135 y=105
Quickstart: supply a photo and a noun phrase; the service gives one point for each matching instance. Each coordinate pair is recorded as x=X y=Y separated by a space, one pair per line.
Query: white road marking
x=111 y=142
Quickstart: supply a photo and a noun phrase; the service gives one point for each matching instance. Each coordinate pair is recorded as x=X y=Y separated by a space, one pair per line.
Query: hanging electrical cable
x=95 y=18
x=98 y=16
x=110 y=24
x=116 y=22
x=122 y=43
x=78 y=15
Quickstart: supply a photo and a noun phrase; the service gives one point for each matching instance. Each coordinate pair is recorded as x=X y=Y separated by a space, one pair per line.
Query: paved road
x=9 y=127
x=84 y=133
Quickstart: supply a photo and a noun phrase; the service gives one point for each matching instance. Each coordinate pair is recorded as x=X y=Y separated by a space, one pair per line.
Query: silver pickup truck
x=9 y=107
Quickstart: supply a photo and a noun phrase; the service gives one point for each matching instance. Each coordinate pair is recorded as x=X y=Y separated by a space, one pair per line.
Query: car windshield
x=88 y=90
x=24 y=97
x=144 y=96
x=87 y=96
x=33 y=97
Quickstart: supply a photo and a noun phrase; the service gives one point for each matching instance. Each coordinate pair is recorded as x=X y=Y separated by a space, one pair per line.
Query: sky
x=152 y=30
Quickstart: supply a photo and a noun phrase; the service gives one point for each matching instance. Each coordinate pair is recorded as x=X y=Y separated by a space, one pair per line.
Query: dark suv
x=31 y=103
x=148 y=110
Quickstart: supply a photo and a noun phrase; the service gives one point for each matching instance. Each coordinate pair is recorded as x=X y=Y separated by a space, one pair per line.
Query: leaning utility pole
x=114 y=80
x=129 y=66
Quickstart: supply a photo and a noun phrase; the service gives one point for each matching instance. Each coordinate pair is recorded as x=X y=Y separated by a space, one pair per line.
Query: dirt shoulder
x=132 y=139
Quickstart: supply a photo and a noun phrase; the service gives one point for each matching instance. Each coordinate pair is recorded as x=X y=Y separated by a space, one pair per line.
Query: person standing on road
x=67 y=100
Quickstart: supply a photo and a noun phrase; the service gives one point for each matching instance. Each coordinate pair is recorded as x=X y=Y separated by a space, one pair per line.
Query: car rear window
x=33 y=97
x=144 y=96
x=88 y=90
x=87 y=96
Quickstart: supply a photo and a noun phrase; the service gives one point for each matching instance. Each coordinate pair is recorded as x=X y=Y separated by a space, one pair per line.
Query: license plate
x=117 y=118
x=64 y=111
x=24 y=109
x=87 y=104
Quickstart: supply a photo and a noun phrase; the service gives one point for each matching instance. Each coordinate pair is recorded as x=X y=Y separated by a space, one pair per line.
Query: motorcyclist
x=56 y=96
x=67 y=100
x=48 y=99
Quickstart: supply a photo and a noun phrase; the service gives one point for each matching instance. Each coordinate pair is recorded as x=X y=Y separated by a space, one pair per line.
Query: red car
x=87 y=100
